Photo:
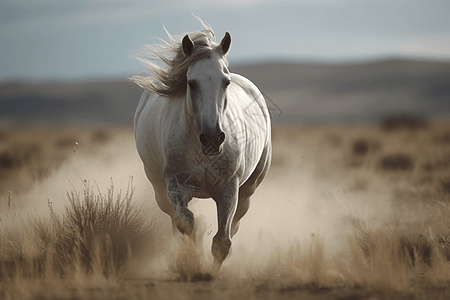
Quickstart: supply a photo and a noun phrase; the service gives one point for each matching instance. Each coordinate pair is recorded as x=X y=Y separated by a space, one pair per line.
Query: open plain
x=346 y=212
x=355 y=206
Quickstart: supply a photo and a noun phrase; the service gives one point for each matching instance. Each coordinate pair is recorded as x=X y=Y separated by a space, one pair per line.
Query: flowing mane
x=170 y=81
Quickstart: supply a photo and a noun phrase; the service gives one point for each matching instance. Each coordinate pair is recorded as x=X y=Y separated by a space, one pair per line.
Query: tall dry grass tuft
x=401 y=256
x=379 y=261
x=305 y=264
x=299 y=265
x=94 y=238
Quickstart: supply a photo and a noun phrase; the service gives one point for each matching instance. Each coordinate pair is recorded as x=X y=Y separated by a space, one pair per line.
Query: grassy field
x=346 y=212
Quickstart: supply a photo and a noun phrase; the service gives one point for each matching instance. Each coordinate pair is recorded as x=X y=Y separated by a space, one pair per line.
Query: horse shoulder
x=247 y=85
x=250 y=89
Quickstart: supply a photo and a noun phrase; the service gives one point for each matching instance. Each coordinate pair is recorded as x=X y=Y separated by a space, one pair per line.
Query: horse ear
x=225 y=43
x=187 y=45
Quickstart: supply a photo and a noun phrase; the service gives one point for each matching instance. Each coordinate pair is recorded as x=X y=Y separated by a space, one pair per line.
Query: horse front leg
x=179 y=196
x=226 y=202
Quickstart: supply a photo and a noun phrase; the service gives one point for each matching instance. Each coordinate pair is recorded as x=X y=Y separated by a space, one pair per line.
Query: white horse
x=201 y=132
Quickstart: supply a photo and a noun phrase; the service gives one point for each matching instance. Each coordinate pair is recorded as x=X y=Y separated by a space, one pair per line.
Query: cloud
x=83 y=37
x=62 y=15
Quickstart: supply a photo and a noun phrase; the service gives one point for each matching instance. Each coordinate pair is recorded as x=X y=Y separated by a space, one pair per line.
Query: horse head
x=206 y=96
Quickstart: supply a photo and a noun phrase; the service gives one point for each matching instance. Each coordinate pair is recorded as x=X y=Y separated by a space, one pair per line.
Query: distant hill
x=296 y=92
x=364 y=92
x=108 y=101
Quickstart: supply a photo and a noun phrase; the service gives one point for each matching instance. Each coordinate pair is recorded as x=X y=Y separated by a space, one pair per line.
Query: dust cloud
x=291 y=206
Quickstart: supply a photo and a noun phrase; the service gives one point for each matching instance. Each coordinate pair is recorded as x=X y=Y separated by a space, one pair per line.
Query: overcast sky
x=84 y=39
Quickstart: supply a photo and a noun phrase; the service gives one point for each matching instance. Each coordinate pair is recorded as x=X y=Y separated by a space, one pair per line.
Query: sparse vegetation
x=360 y=147
x=397 y=162
x=93 y=239
x=399 y=252
x=30 y=155
x=404 y=121
x=98 y=231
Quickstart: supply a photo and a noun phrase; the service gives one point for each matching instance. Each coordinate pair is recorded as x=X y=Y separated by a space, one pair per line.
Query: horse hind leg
x=249 y=187
x=241 y=210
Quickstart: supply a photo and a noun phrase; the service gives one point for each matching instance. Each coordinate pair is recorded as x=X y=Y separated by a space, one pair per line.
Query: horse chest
x=202 y=172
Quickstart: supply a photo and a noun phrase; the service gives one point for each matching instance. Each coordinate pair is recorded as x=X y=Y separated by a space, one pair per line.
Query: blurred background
x=341 y=61
x=358 y=194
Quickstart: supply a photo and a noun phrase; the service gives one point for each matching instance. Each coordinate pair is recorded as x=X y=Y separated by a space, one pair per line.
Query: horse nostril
x=203 y=138
x=221 y=137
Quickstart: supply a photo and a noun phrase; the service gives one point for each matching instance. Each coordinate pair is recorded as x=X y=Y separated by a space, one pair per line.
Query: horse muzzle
x=212 y=144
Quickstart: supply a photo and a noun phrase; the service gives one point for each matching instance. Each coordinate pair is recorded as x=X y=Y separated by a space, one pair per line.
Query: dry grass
x=30 y=155
x=92 y=240
x=391 y=228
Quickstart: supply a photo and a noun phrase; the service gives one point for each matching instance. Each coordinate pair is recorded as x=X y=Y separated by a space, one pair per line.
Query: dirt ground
x=346 y=212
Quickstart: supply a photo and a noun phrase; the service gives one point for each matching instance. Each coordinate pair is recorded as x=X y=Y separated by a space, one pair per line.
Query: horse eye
x=227 y=83
x=192 y=84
